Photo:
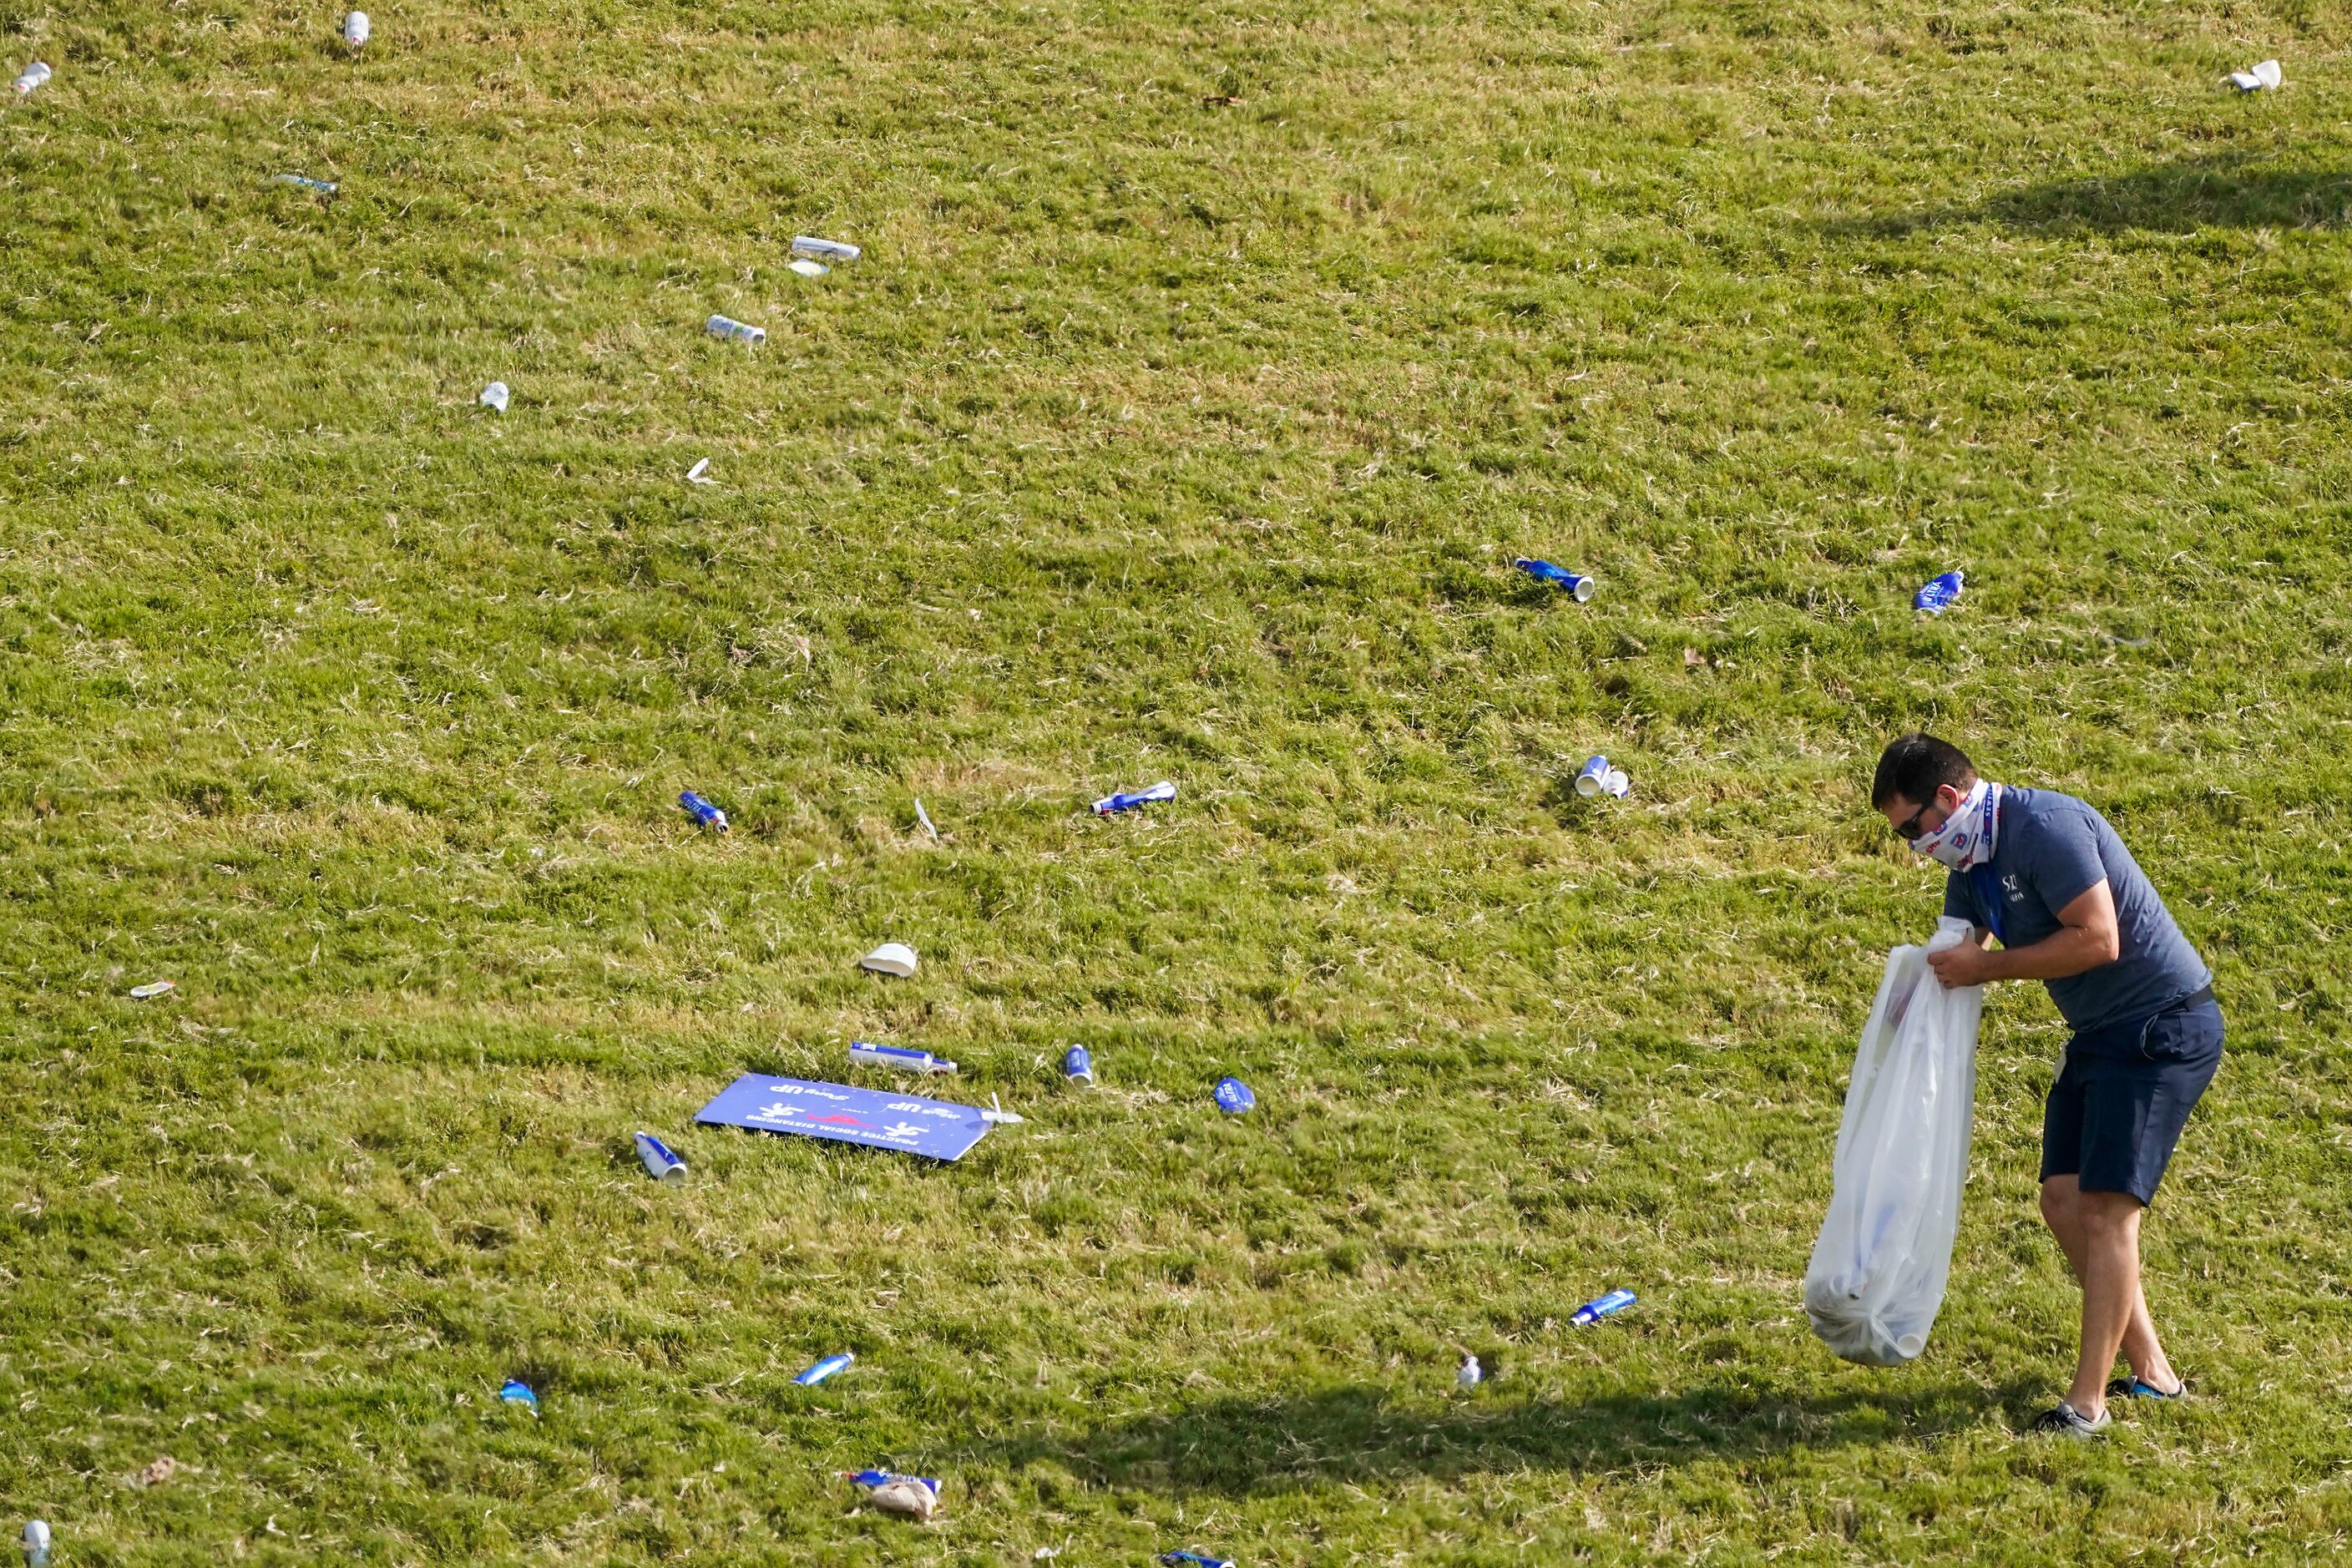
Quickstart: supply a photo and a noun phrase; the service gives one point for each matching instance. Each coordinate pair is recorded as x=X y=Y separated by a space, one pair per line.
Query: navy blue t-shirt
x=2050 y=850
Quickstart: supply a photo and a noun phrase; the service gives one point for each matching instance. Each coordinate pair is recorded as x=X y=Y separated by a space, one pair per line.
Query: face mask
x=1965 y=841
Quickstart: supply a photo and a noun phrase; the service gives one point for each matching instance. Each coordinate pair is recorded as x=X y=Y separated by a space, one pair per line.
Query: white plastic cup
x=1593 y=777
x=495 y=396
x=33 y=76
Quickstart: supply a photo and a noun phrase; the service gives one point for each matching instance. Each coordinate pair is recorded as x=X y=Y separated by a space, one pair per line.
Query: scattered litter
x=923 y=819
x=1593 y=776
x=495 y=395
x=808 y=268
x=517 y=1392
x=1470 y=1375
x=819 y=1370
x=1693 y=659
x=1601 y=1307
x=1078 y=1066
x=735 y=331
x=899 y=1057
x=2265 y=75
x=325 y=187
x=154 y=988
x=1179 y=1558
x=917 y=1496
x=701 y=810
x=1221 y=101
x=660 y=1162
x=1163 y=790
x=877 y=1118
x=700 y=473
x=997 y=1116
x=33 y=76
x=36 y=1543
x=1233 y=1096
x=356 y=30
x=1615 y=784
x=163 y=1469
x=1579 y=587
x=831 y=249
x=1045 y=1553
x=891 y=958
x=1937 y=595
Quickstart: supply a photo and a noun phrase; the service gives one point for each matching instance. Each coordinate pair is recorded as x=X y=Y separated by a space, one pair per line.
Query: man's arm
x=2086 y=938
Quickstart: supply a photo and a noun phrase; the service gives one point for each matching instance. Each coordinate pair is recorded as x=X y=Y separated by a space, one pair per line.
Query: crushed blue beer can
x=325 y=187
x=1939 y=592
x=701 y=810
x=818 y=1372
x=1593 y=777
x=517 y=1392
x=1078 y=1066
x=1195 y=1559
x=1601 y=1307
x=1163 y=790
x=1233 y=1096
x=661 y=1163
x=898 y=1056
x=1578 y=586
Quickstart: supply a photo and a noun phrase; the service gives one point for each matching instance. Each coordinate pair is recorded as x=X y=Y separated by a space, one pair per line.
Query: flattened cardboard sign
x=880 y=1118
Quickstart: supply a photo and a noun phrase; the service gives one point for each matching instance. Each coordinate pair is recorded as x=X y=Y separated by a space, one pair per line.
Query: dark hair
x=1916 y=766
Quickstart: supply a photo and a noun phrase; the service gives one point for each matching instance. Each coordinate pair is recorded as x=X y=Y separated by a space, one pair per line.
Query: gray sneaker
x=2069 y=1422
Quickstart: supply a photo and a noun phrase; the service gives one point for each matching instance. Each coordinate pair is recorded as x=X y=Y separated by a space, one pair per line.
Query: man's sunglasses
x=1911 y=828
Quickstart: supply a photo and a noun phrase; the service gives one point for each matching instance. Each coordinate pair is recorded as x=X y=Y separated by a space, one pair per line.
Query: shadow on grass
x=2230 y=191
x=1353 y=1433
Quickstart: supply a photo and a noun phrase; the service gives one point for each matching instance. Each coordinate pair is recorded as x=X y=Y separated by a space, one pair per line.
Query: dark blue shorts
x=2123 y=1096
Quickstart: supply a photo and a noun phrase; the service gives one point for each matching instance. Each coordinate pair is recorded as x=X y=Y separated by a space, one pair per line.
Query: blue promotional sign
x=877 y=1118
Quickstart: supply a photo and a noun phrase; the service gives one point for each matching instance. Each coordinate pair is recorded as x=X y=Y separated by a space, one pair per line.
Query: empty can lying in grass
x=1470 y=1375
x=898 y=1056
x=820 y=1371
x=356 y=30
x=1579 y=587
x=1601 y=1307
x=917 y=1496
x=36 y=1543
x=325 y=187
x=1593 y=777
x=153 y=988
x=517 y=1392
x=1233 y=1096
x=701 y=810
x=661 y=1163
x=1939 y=592
x=1078 y=1066
x=1616 y=785
x=1195 y=1559
x=1163 y=790
x=32 y=76
x=830 y=250
x=735 y=331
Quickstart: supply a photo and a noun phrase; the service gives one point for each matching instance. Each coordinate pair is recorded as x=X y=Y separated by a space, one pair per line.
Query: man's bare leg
x=2063 y=1201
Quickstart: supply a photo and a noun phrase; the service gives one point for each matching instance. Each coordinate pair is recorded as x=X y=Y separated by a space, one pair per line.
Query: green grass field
x=1155 y=436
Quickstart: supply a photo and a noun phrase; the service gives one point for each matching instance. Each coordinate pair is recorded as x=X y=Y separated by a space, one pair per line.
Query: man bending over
x=2046 y=875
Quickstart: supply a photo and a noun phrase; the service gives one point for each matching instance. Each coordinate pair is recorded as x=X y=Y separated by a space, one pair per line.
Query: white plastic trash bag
x=1878 y=1271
